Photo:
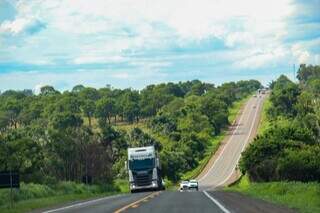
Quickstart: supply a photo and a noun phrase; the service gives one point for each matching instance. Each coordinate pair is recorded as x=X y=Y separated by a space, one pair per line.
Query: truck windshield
x=141 y=164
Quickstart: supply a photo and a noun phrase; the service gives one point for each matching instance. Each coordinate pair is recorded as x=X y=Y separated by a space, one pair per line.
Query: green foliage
x=55 y=136
x=264 y=159
x=302 y=165
x=34 y=192
x=189 y=125
x=137 y=138
x=48 y=90
x=289 y=148
x=283 y=98
x=306 y=73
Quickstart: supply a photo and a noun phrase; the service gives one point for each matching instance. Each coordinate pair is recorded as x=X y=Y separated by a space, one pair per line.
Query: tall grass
x=29 y=195
x=302 y=196
x=264 y=121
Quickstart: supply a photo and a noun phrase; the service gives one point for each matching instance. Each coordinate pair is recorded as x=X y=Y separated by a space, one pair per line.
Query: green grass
x=234 y=110
x=122 y=185
x=297 y=195
x=32 y=204
x=264 y=122
x=33 y=196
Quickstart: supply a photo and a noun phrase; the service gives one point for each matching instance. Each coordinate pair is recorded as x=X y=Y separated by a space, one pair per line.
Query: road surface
x=221 y=167
x=218 y=172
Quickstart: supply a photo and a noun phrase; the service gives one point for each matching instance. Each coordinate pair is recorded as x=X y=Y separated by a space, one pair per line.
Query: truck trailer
x=144 y=169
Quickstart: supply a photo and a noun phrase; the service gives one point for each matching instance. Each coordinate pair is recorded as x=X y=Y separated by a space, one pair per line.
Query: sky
x=134 y=43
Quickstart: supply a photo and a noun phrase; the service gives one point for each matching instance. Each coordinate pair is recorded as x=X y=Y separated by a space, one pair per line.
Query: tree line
x=290 y=149
x=56 y=136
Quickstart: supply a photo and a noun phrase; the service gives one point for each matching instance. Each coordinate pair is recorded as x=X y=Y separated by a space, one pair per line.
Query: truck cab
x=144 y=169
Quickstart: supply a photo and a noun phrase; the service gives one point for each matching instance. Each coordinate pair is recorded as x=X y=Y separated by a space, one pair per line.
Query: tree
x=78 y=88
x=62 y=120
x=12 y=110
x=283 y=97
x=105 y=108
x=88 y=109
x=130 y=103
x=306 y=73
x=20 y=152
x=48 y=90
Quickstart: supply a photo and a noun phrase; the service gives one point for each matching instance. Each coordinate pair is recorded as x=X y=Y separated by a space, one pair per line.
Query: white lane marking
x=243 y=145
x=82 y=204
x=217 y=202
x=227 y=143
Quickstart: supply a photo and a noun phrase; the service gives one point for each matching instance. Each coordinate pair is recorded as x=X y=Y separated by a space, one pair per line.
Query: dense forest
x=54 y=136
x=290 y=148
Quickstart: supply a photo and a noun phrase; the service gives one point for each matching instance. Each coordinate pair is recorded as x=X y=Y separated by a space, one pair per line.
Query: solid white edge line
x=227 y=143
x=216 y=202
x=81 y=204
x=243 y=146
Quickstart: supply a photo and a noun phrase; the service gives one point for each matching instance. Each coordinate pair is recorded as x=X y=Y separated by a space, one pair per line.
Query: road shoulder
x=237 y=202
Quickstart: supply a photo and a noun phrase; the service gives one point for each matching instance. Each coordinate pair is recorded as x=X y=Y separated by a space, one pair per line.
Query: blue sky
x=130 y=43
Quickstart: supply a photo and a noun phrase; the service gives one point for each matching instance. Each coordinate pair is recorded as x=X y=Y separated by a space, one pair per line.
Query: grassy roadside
x=215 y=142
x=305 y=197
x=264 y=122
x=34 y=196
x=302 y=196
x=32 y=204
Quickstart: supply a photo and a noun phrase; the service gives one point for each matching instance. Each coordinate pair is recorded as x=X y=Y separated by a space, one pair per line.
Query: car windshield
x=141 y=164
x=193 y=181
x=184 y=182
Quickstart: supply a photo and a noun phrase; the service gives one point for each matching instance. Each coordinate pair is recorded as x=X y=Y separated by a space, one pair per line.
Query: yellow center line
x=135 y=204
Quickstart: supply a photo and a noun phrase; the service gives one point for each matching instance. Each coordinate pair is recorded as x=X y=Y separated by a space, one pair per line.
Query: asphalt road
x=219 y=170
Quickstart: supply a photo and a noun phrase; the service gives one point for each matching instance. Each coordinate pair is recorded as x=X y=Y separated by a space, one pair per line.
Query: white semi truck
x=144 y=169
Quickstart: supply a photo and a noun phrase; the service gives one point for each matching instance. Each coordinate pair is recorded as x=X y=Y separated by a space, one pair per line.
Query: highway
x=219 y=171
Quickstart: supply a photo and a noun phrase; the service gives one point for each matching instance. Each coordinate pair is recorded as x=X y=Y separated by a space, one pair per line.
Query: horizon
x=169 y=41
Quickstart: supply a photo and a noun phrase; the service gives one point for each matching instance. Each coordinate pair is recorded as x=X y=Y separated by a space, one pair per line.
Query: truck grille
x=143 y=179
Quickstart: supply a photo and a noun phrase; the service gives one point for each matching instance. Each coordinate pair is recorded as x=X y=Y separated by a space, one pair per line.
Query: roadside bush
x=300 y=165
x=266 y=159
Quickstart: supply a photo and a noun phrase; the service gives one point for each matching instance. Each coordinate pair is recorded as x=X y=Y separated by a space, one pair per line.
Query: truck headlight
x=154 y=183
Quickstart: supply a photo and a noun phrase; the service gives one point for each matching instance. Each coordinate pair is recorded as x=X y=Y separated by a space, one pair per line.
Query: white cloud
x=37 y=88
x=93 y=78
x=154 y=37
x=300 y=54
x=16 y=26
x=90 y=59
x=121 y=75
x=259 y=59
x=239 y=38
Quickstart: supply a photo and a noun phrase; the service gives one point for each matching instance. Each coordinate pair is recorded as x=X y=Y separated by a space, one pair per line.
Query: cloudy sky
x=132 y=43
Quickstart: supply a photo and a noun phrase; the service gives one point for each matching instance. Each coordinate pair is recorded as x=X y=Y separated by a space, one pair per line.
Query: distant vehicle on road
x=184 y=185
x=144 y=169
x=193 y=184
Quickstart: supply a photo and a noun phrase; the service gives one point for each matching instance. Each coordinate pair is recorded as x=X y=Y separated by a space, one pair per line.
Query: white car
x=184 y=185
x=193 y=184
